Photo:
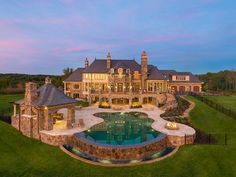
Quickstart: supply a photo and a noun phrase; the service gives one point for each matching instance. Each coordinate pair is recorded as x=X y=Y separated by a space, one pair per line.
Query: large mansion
x=115 y=80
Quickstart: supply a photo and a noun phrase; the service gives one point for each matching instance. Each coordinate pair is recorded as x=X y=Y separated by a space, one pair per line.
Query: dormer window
x=136 y=75
x=120 y=72
x=180 y=78
x=127 y=71
x=112 y=71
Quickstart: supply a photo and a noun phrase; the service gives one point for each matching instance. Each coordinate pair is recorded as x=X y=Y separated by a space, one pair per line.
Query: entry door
x=120 y=87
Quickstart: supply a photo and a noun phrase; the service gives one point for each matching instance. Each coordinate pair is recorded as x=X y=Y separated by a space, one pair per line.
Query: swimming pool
x=122 y=129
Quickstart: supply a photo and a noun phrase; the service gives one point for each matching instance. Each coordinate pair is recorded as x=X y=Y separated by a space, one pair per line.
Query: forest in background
x=15 y=83
x=223 y=81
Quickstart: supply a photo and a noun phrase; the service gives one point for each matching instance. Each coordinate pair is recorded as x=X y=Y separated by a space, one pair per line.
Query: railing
x=214 y=138
x=5 y=114
x=215 y=105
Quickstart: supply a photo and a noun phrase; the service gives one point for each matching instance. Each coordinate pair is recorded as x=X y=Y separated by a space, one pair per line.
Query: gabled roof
x=49 y=95
x=76 y=76
x=100 y=66
x=154 y=73
x=168 y=74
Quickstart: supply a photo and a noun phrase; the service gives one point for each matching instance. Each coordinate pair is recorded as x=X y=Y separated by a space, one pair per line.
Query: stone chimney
x=48 y=80
x=86 y=63
x=30 y=93
x=108 y=60
x=144 y=68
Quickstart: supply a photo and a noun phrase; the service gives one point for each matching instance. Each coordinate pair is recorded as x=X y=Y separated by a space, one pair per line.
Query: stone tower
x=144 y=69
x=30 y=93
x=108 y=60
x=86 y=63
x=28 y=121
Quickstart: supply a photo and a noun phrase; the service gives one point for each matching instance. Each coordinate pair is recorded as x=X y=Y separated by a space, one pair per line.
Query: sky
x=45 y=36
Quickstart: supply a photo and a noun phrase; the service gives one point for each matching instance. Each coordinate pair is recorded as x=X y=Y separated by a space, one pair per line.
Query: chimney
x=48 y=80
x=108 y=60
x=30 y=93
x=144 y=68
x=86 y=63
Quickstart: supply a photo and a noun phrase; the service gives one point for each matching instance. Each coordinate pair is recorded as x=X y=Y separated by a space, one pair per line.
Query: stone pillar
x=110 y=102
x=48 y=123
x=70 y=117
x=14 y=110
x=130 y=102
x=100 y=100
x=140 y=100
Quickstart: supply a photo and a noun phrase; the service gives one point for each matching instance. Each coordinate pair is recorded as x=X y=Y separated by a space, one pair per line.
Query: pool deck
x=87 y=114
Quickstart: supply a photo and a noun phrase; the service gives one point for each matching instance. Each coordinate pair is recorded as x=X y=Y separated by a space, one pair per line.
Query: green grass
x=5 y=99
x=22 y=156
x=227 y=101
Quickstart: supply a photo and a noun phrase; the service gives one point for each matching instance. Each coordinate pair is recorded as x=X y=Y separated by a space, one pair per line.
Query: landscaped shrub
x=104 y=106
x=83 y=103
x=135 y=106
x=179 y=110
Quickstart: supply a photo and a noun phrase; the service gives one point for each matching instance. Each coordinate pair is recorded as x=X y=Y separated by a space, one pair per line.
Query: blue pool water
x=122 y=129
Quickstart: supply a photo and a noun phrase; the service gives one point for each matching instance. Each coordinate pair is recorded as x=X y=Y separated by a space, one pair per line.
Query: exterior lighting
x=171 y=126
x=46 y=108
x=89 y=130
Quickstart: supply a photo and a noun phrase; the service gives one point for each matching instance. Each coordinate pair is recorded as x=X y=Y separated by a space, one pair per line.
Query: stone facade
x=120 y=153
x=119 y=81
x=37 y=109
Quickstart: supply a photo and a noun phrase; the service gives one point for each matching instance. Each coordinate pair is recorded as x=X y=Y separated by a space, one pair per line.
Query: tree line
x=15 y=83
x=220 y=81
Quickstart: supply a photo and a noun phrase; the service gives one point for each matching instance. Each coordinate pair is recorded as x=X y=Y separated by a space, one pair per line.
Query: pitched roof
x=168 y=74
x=154 y=73
x=49 y=95
x=76 y=76
x=100 y=66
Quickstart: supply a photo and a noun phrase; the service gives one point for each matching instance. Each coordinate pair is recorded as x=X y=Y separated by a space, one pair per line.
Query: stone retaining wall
x=180 y=140
x=15 y=122
x=119 y=153
x=55 y=140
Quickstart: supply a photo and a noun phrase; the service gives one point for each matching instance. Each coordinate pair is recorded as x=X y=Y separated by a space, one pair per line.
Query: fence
x=214 y=138
x=5 y=114
x=214 y=105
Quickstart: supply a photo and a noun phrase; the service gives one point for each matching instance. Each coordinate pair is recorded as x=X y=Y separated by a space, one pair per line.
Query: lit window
x=76 y=86
x=136 y=75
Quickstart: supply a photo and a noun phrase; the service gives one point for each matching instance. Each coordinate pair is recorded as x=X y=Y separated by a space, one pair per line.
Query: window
x=180 y=78
x=112 y=70
x=127 y=71
x=76 y=86
x=136 y=75
x=120 y=72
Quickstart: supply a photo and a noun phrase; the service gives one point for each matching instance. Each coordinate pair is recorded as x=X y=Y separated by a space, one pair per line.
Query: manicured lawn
x=227 y=101
x=22 y=156
x=5 y=99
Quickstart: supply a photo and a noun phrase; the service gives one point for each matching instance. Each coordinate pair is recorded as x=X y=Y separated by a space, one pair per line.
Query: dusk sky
x=45 y=36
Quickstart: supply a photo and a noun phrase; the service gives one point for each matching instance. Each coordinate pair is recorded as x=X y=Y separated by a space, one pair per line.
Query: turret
x=144 y=68
x=86 y=63
x=30 y=93
x=108 y=60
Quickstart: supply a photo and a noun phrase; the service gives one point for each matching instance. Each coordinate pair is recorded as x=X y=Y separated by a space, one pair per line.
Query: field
x=227 y=101
x=22 y=156
x=5 y=105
